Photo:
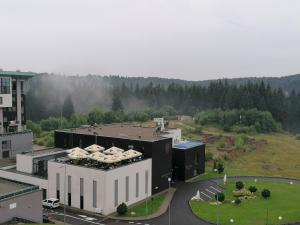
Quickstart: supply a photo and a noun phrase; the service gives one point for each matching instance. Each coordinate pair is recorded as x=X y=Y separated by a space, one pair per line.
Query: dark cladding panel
x=161 y=164
x=188 y=162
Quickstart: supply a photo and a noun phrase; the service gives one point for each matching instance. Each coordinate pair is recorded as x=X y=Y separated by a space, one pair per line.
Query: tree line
x=190 y=99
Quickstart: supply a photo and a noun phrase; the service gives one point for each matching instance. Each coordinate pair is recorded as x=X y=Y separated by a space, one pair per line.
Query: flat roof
x=11 y=189
x=124 y=131
x=17 y=74
x=188 y=145
x=67 y=161
x=45 y=151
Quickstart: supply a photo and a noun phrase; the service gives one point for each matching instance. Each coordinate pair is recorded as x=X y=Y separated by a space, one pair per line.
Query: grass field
x=280 y=157
x=284 y=202
x=153 y=205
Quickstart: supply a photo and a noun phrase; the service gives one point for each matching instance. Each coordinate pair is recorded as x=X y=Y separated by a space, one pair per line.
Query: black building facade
x=157 y=148
x=188 y=160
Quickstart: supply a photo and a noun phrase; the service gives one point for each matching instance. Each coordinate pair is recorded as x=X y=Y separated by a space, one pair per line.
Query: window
x=5 y=85
x=6 y=144
x=116 y=193
x=1 y=100
x=57 y=186
x=81 y=193
x=94 y=194
x=57 y=181
x=137 y=185
x=127 y=189
x=5 y=154
x=69 y=191
x=146 y=181
x=81 y=186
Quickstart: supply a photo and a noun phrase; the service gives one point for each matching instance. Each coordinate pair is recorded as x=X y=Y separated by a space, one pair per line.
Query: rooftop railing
x=19 y=192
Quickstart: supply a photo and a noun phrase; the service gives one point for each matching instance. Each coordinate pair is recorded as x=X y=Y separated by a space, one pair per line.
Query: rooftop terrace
x=125 y=131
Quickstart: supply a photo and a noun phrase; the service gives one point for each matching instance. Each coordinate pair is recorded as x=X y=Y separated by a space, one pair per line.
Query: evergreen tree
x=117 y=103
x=68 y=107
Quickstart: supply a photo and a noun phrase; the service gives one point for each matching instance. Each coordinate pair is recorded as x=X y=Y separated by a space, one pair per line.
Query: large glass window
x=137 y=185
x=94 y=194
x=116 y=193
x=5 y=85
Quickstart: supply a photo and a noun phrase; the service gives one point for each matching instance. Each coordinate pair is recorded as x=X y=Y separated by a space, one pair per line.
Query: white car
x=52 y=203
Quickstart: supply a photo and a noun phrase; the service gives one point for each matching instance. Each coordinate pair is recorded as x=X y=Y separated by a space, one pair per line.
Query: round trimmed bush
x=220 y=197
x=266 y=193
x=122 y=209
x=252 y=189
x=238 y=201
x=239 y=185
x=220 y=167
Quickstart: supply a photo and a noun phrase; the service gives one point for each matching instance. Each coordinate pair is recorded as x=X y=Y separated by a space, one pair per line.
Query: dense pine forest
x=52 y=95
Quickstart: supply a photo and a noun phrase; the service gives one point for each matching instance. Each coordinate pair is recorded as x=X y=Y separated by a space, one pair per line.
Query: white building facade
x=99 y=190
x=12 y=113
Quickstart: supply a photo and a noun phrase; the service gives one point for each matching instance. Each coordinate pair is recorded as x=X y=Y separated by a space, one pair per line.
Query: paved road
x=181 y=213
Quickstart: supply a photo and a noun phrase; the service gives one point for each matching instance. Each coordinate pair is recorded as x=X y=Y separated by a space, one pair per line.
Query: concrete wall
x=26 y=206
x=105 y=184
x=20 y=142
x=24 y=163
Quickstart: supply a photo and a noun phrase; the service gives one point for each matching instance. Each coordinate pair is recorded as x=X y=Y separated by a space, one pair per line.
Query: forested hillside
x=48 y=93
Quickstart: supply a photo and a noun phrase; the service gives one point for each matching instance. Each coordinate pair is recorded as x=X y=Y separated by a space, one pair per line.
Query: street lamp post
x=169 y=179
x=217 y=195
x=65 y=180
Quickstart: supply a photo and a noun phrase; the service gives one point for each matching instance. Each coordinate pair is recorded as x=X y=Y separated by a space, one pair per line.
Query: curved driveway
x=181 y=213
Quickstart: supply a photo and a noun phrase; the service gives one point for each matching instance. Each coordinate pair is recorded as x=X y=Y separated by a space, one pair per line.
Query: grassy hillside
x=275 y=154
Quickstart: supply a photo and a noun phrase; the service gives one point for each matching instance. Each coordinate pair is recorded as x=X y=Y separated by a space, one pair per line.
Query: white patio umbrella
x=77 y=149
x=113 y=150
x=94 y=148
x=77 y=155
x=133 y=153
x=96 y=155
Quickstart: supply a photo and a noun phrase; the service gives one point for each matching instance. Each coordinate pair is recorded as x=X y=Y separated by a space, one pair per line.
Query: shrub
x=266 y=193
x=209 y=156
x=220 y=167
x=238 y=201
x=242 y=193
x=298 y=136
x=122 y=209
x=239 y=185
x=252 y=189
x=220 y=197
x=198 y=129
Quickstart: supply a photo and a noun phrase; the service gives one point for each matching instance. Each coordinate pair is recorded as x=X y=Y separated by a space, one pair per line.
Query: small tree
x=220 y=167
x=238 y=201
x=239 y=185
x=266 y=193
x=220 y=197
x=252 y=189
x=122 y=209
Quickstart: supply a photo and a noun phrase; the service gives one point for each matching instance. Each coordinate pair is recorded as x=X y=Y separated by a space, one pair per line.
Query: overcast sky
x=187 y=39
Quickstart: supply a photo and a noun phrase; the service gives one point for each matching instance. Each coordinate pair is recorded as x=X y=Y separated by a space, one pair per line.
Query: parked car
x=52 y=203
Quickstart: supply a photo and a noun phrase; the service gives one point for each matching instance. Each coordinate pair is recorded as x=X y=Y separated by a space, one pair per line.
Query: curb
x=163 y=208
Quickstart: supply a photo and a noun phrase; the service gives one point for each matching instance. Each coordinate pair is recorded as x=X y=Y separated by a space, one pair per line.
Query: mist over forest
x=47 y=92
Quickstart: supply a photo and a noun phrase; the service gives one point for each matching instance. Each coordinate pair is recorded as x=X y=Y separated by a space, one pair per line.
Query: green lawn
x=284 y=201
x=153 y=205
